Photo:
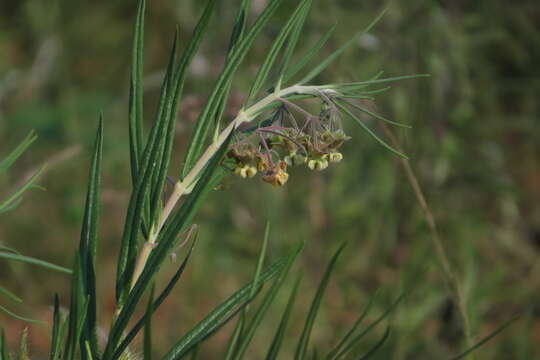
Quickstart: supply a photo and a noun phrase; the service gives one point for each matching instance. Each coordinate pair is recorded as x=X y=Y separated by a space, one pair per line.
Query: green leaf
x=33 y=261
x=260 y=261
x=77 y=311
x=172 y=103
x=12 y=200
x=165 y=243
x=376 y=116
x=265 y=68
x=10 y=295
x=156 y=158
x=332 y=355
x=487 y=338
x=141 y=192
x=195 y=353
x=377 y=346
x=3 y=347
x=235 y=338
x=239 y=25
x=136 y=136
x=160 y=161
x=88 y=246
x=347 y=87
x=249 y=332
x=370 y=327
x=18 y=317
x=237 y=34
x=18 y=151
x=309 y=55
x=234 y=343
x=293 y=40
x=12 y=206
x=301 y=350
x=57 y=333
x=364 y=93
x=157 y=303
x=329 y=59
x=369 y=131
x=223 y=313
x=277 y=341
x=147 y=347
x=213 y=105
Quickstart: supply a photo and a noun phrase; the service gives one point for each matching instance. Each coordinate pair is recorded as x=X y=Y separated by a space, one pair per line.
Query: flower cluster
x=271 y=148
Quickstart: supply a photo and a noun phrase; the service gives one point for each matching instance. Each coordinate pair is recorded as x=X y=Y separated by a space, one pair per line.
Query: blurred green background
x=474 y=146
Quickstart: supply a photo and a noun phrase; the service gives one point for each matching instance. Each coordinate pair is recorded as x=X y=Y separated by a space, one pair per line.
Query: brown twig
x=451 y=278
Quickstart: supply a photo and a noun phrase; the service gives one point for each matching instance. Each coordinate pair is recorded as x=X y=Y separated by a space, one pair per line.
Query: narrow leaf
x=235 y=338
x=370 y=327
x=166 y=241
x=239 y=25
x=487 y=338
x=265 y=68
x=172 y=103
x=56 y=339
x=18 y=151
x=207 y=116
x=3 y=346
x=75 y=311
x=376 y=116
x=218 y=317
x=10 y=295
x=369 y=131
x=363 y=84
x=329 y=59
x=157 y=303
x=13 y=198
x=141 y=192
x=147 y=348
x=293 y=40
x=18 y=317
x=88 y=245
x=332 y=355
x=301 y=350
x=33 y=261
x=377 y=346
x=309 y=55
x=136 y=136
x=269 y=298
x=277 y=341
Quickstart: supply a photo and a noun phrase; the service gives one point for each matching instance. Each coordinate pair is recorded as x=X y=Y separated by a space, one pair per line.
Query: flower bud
x=251 y=171
x=295 y=159
x=245 y=171
x=277 y=175
x=335 y=157
x=318 y=164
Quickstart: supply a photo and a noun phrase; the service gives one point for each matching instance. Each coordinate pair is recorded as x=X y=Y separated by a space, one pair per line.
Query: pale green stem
x=183 y=187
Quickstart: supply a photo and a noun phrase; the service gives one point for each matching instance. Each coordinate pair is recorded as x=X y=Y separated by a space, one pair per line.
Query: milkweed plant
x=274 y=132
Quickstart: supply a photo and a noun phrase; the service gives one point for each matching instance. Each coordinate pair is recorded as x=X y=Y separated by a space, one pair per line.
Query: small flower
x=245 y=171
x=262 y=163
x=277 y=175
x=295 y=159
x=335 y=157
x=318 y=164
